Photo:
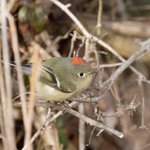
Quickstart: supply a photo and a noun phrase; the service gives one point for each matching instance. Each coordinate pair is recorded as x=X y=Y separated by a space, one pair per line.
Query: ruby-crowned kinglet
x=61 y=78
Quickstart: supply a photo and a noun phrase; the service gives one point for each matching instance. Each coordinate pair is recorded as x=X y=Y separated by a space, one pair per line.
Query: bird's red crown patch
x=77 y=60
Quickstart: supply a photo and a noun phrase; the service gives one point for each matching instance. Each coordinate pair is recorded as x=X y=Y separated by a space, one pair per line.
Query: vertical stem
x=15 y=48
x=3 y=109
x=33 y=80
x=7 y=95
x=143 y=104
x=81 y=129
x=99 y=16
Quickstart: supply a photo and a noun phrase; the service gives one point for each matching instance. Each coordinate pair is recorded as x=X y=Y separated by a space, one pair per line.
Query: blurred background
x=43 y=28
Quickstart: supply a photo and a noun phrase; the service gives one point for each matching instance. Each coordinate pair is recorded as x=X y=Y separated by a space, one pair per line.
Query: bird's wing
x=57 y=82
x=48 y=77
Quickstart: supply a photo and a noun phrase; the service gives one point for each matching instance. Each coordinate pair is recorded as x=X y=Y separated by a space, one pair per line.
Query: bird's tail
x=26 y=68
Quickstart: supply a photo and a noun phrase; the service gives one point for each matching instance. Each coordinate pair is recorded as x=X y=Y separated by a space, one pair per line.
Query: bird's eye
x=81 y=74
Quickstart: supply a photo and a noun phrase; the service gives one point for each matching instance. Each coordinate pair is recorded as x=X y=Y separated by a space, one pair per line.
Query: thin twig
x=110 y=65
x=90 y=137
x=74 y=36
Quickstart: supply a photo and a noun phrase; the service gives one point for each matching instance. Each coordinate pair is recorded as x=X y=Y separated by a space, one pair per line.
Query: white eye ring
x=81 y=74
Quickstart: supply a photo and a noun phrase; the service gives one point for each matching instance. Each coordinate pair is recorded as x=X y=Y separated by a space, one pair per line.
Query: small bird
x=61 y=78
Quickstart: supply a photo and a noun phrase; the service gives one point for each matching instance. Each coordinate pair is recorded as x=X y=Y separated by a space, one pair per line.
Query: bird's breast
x=49 y=93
